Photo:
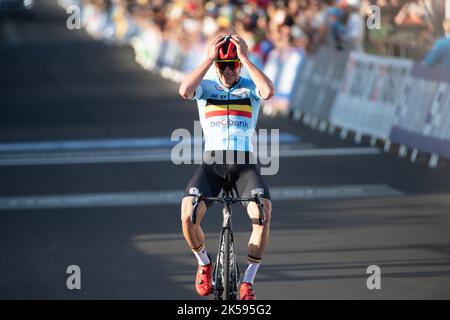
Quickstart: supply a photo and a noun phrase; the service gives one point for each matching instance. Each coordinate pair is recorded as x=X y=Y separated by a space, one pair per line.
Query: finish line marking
x=171 y=197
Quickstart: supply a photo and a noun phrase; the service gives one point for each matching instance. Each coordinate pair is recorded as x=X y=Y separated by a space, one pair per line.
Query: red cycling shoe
x=203 y=280
x=246 y=291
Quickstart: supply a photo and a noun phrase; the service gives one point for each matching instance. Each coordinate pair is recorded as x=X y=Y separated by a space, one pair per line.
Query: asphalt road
x=86 y=180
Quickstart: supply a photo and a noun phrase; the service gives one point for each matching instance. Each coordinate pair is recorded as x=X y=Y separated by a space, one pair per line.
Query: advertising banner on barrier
x=423 y=117
x=291 y=60
x=282 y=68
x=273 y=66
x=369 y=93
x=318 y=82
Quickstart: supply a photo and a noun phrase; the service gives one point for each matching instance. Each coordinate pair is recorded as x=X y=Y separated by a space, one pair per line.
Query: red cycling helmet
x=227 y=51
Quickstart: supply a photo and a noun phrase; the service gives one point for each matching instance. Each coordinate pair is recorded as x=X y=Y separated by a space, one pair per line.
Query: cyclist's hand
x=241 y=46
x=214 y=46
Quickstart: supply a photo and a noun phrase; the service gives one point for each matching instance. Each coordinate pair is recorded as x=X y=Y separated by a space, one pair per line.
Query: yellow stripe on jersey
x=236 y=107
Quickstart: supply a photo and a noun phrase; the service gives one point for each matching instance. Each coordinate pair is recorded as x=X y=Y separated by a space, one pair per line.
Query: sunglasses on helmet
x=232 y=64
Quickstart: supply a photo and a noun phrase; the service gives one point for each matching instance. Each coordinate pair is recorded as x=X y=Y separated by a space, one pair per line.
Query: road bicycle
x=226 y=273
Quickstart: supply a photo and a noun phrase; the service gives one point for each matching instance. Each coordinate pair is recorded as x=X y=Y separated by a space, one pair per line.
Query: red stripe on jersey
x=231 y=113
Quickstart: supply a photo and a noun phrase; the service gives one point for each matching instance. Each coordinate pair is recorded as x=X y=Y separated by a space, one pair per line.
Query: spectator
x=319 y=23
x=440 y=53
x=411 y=14
x=409 y=27
x=336 y=25
x=355 y=28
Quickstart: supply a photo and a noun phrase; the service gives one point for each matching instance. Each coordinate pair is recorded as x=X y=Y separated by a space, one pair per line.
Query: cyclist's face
x=228 y=76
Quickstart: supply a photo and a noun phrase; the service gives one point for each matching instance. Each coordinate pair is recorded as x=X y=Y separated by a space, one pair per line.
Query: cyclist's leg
x=206 y=182
x=260 y=234
x=193 y=233
x=250 y=179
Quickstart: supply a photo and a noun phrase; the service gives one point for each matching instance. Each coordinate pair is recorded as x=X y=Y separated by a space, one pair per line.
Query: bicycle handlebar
x=227 y=200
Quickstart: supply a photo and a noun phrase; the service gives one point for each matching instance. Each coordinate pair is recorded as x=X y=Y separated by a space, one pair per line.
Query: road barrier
x=282 y=67
x=423 y=115
x=385 y=98
x=316 y=86
x=369 y=93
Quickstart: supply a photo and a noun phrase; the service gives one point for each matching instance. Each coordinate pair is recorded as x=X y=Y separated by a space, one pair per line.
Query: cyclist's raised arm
x=262 y=82
x=192 y=80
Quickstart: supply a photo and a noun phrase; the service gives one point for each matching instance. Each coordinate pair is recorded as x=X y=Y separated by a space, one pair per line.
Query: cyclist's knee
x=253 y=211
x=187 y=210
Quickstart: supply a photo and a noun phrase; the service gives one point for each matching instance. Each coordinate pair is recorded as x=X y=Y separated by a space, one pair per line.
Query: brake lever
x=195 y=202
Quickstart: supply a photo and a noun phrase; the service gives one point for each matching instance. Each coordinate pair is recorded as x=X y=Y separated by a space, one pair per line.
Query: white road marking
x=153 y=155
x=148 y=198
x=97 y=144
x=329 y=152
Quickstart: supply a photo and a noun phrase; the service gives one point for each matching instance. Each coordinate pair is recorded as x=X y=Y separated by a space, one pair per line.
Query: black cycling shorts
x=209 y=177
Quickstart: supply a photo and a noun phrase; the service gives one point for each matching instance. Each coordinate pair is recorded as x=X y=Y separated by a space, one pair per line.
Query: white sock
x=250 y=273
x=201 y=255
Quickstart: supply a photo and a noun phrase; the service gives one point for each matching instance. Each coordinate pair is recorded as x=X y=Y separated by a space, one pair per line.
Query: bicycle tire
x=218 y=271
x=217 y=281
x=226 y=264
x=234 y=271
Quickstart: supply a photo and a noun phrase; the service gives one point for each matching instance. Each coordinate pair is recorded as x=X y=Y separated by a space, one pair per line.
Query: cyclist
x=228 y=107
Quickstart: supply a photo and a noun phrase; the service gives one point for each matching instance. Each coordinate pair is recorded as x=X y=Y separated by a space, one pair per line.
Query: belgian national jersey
x=228 y=116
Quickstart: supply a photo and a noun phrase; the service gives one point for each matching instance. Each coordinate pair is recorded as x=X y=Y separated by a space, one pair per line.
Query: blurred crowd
x=407 y=27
